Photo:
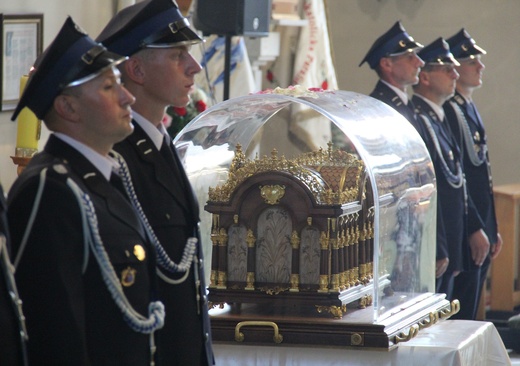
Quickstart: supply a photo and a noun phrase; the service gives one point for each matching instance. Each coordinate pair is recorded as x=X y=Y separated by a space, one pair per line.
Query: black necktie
x=167 y=152
x=117 y=183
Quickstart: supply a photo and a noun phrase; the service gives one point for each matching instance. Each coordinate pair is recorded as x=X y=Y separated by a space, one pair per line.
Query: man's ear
x=134 y=70
x=66 y=107
x=385 y=63
x=424 y=78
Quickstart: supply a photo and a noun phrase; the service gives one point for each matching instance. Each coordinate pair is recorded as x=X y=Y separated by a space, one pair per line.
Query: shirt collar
x=401 y=94
x=436 y=108
x=105 y=164
x=155 y=134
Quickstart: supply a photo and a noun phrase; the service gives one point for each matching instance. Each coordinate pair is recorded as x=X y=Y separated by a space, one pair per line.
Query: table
x=448 y=343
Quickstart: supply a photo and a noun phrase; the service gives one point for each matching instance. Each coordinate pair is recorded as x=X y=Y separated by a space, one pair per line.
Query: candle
x=28 y=128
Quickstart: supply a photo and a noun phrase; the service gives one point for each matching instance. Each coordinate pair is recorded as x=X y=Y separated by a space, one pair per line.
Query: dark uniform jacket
x=72 y=318
x=11 y=342
x=451 y=202
x=165 y=194
x=385 y=94
x=478 y=177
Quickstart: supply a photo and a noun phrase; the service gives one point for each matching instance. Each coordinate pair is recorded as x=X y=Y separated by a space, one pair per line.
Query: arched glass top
x=296 y=121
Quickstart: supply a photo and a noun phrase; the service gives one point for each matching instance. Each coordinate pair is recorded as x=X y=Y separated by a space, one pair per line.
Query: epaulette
x=459 y=100
x=59 y=170
x=397 y=101
x=433 y=115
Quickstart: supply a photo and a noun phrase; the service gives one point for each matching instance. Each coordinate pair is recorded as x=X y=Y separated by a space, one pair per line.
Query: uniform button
x=201 y=262
x=206 y=336
x=204 y=299
x=167 y=216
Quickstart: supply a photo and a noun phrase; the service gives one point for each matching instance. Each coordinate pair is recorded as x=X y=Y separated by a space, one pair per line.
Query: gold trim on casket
x=293 y=232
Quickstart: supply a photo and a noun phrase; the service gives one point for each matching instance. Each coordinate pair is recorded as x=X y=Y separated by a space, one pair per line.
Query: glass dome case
x=316 y=205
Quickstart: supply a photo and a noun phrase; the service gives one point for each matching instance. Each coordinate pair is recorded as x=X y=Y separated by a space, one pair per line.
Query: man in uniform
x=469 y=130
x=13 y=335
x=160 y=72
x=436 y=85
x=84 y=265
x=393 y=57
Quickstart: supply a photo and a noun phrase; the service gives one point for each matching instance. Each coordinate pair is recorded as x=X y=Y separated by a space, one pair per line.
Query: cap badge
x=128 y=276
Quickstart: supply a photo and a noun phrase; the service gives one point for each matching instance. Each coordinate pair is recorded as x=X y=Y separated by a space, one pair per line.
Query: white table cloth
x=448 y=343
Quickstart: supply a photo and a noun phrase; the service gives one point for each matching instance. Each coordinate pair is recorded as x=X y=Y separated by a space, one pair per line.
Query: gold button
x=139 y=252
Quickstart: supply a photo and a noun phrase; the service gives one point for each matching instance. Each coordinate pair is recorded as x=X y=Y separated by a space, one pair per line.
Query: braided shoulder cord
x=468 y=139
x=32 y=217
x=8 y=270
x=136 y=321
x=454 y=180
x=163 y=259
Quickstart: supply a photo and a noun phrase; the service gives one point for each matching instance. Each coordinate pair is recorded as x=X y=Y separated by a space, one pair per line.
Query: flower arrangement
x=176 y=118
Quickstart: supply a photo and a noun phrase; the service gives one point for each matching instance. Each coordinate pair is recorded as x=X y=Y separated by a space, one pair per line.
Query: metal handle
x=454 y=309
x=431 y=320
x=239 y=337
x=412 y=332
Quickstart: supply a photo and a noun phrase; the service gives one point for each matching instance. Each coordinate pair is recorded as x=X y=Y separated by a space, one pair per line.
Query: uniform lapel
x=445 y=138
x=163 y=172
x=385 y=94
x=117 y=204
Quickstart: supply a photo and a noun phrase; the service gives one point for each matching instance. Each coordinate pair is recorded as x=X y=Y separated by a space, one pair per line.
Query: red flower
x=201 y=106
x=325 y=85
x=270 y=76
x=181 y=111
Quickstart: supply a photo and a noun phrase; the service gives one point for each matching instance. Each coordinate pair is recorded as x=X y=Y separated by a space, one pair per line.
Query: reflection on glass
x=379 y=244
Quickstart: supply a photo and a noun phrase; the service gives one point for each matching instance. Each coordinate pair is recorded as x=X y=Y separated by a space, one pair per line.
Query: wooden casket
x=319 y=213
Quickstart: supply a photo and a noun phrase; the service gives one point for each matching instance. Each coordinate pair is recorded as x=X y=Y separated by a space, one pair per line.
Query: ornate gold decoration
x=295 y=240
x=273 y=290
x=295 y=282
x=332 y=176
x=222 y=238
x=222 y=279
x=334 y=286
x=213 y=278
x=324 y=241
x=324 y=283
x=128 y=276
x=212 y=305
x=336 y=311
x=250 y=281
x=363 y=302
x=272 y=194
x=250 y=239
x=239 y=336
x=402 y=337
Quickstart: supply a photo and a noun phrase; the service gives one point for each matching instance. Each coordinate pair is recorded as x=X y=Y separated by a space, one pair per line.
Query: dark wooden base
x=303 y=325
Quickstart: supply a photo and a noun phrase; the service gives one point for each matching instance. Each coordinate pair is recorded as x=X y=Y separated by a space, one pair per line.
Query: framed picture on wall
x=21 y=43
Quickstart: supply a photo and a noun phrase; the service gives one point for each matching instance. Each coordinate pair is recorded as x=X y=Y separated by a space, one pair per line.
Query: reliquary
x=318 y=219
